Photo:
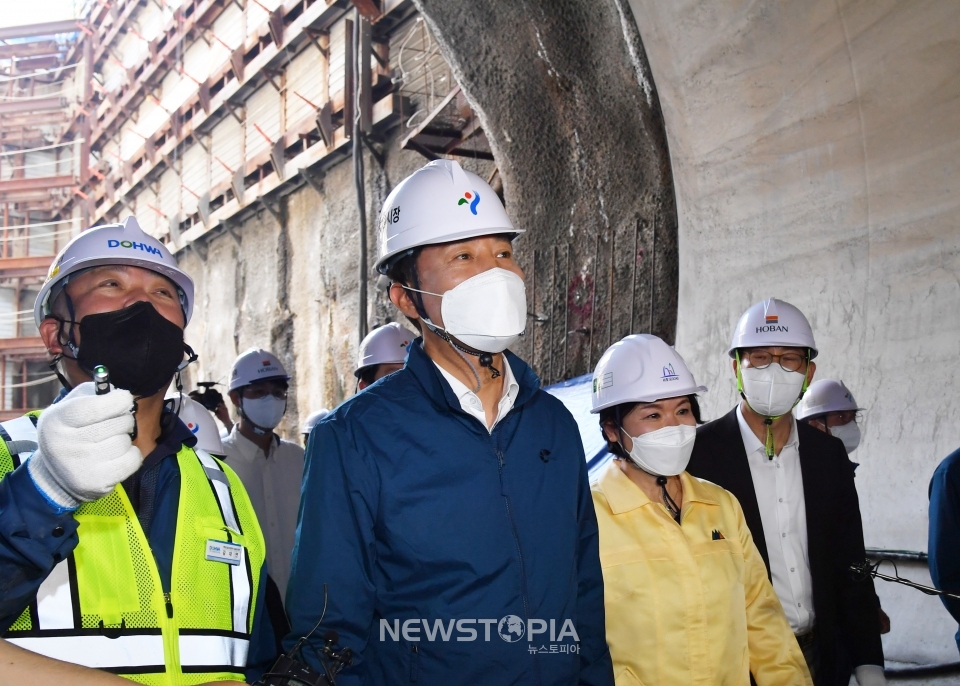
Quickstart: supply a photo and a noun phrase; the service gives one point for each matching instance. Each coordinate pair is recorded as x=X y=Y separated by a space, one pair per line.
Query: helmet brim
x=383 y=264
x=690 y=390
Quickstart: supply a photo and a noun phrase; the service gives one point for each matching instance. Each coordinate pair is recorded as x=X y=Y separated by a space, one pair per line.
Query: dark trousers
x=811 y=653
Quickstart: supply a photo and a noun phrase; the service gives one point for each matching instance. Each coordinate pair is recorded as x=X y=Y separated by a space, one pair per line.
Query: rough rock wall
x=814 y=146
x=563 y=91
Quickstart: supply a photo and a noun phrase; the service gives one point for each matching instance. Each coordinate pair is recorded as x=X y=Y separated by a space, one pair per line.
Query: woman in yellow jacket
x=687 y=596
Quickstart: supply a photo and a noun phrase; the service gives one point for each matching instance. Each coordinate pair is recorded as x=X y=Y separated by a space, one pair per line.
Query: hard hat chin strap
x=485 y=358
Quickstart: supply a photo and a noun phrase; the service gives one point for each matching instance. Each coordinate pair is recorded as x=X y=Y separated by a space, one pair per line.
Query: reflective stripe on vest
x=103 y=606
x=141 y=652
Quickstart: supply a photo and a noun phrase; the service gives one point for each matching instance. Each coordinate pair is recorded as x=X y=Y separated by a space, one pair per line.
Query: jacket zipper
x=415 y=663
x=516 y=538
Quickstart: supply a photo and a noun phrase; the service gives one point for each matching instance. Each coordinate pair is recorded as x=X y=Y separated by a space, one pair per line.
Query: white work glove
x=870 y=675
x=84 y=446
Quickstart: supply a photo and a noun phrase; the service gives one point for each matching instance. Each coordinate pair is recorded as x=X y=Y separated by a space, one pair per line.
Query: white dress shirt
x=470 y=402
x=778 y=484
x=273 y=484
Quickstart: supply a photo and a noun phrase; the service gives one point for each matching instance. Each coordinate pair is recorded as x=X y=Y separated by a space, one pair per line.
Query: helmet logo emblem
x=133 y=245
x=472 y=198
x=605 y=382
x=771 y=320
x=669 y=374
x=194 y=428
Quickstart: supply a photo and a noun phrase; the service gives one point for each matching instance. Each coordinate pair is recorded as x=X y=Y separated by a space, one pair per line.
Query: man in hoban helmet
x=795 y=485
x=123 y=546
x=452 y=493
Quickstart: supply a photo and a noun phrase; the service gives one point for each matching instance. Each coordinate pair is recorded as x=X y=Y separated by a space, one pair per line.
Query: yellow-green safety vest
x=104 y=607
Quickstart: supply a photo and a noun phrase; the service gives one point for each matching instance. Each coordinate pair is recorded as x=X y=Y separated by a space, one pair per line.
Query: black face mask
x=140 y=348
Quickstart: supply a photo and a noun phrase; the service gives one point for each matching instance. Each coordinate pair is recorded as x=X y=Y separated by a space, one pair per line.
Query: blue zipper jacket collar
x=443 y=397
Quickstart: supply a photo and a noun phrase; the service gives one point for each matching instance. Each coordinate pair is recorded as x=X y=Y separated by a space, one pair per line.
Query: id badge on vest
x=221 y=551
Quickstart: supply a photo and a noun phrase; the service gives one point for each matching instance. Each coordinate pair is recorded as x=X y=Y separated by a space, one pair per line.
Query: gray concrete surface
x=814 y=150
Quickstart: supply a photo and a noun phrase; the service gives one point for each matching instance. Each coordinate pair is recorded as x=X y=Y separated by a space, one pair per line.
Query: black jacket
x=845 y=608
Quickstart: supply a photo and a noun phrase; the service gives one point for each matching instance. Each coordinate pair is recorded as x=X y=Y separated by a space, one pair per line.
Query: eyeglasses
x=841 y=418
x=257 y=392
x=761 y=359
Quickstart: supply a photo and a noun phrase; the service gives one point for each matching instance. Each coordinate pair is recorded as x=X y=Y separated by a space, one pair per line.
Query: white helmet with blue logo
x=198 y=419
x=438 y=203
x=640 y=369
x=124 y=243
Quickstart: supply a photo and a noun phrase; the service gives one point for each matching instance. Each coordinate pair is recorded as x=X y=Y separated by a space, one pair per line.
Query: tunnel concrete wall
x=814 y=148
x=565 y=97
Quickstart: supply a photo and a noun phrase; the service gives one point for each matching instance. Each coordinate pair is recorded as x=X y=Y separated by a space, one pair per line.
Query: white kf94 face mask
x=487 y=312
x=664 y=452
x=772 y=391
x=849 y=433
x=265 y=412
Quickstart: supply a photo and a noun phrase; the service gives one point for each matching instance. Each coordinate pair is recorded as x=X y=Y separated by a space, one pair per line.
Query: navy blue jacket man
x=450 y=554
x=446 y=521
x=943 y=545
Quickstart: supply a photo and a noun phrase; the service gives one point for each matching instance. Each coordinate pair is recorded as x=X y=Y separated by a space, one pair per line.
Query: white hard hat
x=384 y=345
x=439 y=203
x=312 y=420
x=826 y=395
x=122 y=243
x=773 y=322
x=256 y=364
x=199 y=420
x=640 y=369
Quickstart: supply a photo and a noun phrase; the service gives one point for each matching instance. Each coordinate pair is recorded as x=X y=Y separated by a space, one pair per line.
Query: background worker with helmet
x=453 y=493
x=795 y=485
x=269 y=466
x=149 y=585
x=682 y=577
x=828 y=405
x=311 y=421
x=199 y=421
x=382 y=352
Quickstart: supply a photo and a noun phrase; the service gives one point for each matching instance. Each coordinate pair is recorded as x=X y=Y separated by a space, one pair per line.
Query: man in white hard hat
x=269 y=466
x=124 y=546
x=311 y=421
x=382 y=352
x=796 y=488
x=446 y=508
x=828 y=405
